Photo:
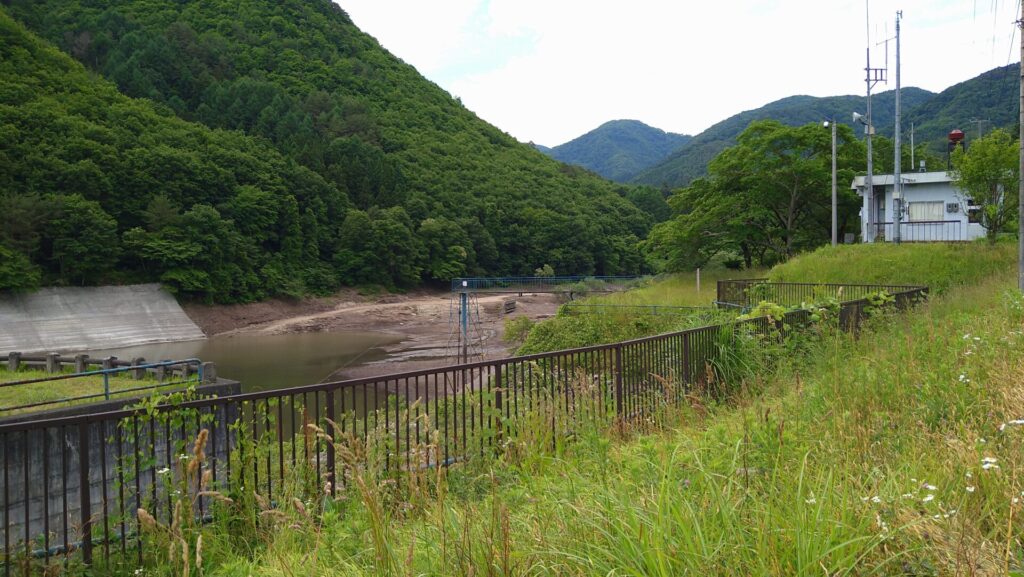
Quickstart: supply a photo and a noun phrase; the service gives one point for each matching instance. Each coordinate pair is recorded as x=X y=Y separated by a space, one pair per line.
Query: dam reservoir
x=264 y=362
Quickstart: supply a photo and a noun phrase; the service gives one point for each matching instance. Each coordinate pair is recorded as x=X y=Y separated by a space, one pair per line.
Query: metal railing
x=654 y=310
x=746 y=293
x=920 y=231
x=519 y=284
x=186 y=368
x=71 y=486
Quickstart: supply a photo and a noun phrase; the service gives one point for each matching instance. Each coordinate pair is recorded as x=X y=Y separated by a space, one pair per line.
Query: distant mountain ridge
x=990 y=98
x=619 y=149
x=690 y=161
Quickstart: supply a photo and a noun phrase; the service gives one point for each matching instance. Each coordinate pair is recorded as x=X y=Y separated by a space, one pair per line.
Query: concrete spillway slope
x=88 y=318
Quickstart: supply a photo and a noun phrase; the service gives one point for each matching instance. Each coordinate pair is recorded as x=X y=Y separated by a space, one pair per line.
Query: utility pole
x=835 y=224
x=913 y=165
x=897 y=179
x=1020 y=174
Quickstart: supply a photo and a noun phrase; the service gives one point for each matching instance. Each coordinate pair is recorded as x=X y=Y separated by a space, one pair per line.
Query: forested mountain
x=992 y=98
x=690 y=161
x=620 y=149
x=281 y=127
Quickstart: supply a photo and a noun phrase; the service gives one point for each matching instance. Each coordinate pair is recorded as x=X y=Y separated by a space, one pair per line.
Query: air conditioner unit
x=952 y=207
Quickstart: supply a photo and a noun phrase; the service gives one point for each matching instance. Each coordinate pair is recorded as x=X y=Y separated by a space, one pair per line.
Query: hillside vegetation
x=345 y=165
x=619 y=149
x=992 y=97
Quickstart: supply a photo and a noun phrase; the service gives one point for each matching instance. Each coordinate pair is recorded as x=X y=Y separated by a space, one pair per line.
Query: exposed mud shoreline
x=424 y=320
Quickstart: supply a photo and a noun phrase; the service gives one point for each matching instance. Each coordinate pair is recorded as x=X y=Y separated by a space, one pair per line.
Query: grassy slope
x=859 y=457
x=52 y=390
x=598 y=327
x=940 y=266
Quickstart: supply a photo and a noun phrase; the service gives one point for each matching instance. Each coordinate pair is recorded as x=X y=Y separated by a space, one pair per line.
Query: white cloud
x=548 y=71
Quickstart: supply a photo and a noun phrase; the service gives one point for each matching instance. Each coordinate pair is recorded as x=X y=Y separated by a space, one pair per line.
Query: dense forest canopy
x=271 y=148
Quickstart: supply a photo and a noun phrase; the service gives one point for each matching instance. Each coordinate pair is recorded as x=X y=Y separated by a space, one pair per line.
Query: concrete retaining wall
x=92 y=318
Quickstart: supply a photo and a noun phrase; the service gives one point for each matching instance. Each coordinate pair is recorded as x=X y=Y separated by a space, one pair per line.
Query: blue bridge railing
x=540 y=283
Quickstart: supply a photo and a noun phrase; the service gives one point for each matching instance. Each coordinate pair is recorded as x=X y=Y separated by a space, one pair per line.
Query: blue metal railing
x=106 y=373
x=537 y=283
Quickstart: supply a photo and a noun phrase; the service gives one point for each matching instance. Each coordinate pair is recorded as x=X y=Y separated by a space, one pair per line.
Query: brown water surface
x=264 y=362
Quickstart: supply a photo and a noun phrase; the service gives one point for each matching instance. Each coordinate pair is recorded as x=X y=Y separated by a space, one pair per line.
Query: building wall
x=954 y=228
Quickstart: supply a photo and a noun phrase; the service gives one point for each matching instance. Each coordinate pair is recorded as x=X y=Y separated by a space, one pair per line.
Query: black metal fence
x=921 y=231
x=746 y=293
x=71 y=486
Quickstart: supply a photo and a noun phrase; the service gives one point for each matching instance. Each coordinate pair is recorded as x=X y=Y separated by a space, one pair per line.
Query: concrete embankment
x=92 y=318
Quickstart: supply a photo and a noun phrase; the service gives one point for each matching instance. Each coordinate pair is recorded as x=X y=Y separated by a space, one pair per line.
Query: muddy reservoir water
x=263 y=362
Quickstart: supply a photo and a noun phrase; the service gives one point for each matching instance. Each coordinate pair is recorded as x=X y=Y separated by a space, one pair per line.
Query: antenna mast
x=897 y=180
x=872 y=76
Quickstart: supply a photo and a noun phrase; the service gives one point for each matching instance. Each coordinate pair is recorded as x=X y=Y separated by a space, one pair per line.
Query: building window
x=921 y=211
x=973 y=212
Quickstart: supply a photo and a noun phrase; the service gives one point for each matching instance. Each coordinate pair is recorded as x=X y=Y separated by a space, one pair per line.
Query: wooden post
x=53 y=363
x=138 y=373
x=81 y=363
x=13 y=361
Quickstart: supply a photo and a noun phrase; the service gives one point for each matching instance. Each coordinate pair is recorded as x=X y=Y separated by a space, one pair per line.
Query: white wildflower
x=927 y=498
x=988 y=466
x=930 y=487
x=163 y=471
x=970 y=488
x=968 y=475
x=967 y=336
x=876 y=499
x=810 y=501
x=989 y=460
x=907 y=495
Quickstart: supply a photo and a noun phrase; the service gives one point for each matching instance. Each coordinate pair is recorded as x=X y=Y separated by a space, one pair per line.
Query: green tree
x=82 y=239
x=765 y=198
x=16 y=271
x=988 y=173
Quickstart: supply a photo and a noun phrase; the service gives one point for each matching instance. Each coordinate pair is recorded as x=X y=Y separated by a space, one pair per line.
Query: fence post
x=497 y=402
x=686 y=359
x=81 y=363
x=329 y=429
x=161 y=372
x=209 y=372
x=85 y=495
x=53 y=363
x=618 y=381
x=137 y=373
x=109 y=362
x=13 y=361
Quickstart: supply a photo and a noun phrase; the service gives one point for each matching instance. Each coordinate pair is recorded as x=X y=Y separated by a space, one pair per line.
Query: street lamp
x=832 y=124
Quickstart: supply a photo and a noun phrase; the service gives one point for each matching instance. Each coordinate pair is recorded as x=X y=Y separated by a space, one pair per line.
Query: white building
x=934 y=209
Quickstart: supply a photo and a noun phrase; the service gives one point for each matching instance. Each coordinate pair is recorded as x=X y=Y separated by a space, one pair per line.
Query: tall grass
x=862 y=457
x=600 y=326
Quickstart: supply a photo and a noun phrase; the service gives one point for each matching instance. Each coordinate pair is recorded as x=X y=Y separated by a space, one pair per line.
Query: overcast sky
x=548 y=71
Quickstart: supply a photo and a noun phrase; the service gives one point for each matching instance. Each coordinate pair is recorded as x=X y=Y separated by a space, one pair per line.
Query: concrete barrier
x=92 y=318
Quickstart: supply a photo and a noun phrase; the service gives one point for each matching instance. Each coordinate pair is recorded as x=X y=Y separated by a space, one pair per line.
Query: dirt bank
x=426 y=321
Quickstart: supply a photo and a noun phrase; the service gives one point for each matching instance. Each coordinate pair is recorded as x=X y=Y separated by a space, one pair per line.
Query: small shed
x=934 y=209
